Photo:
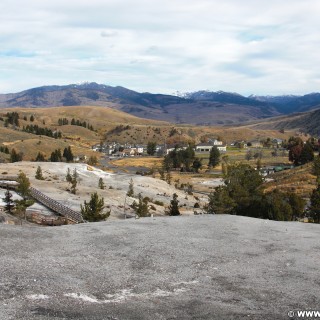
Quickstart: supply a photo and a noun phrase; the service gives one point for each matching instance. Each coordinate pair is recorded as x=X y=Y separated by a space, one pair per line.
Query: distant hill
x=198 y=108
x=307 y=122
x=290 y=104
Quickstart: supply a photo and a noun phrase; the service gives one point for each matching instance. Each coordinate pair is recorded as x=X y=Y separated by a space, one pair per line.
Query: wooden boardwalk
x=50 y=203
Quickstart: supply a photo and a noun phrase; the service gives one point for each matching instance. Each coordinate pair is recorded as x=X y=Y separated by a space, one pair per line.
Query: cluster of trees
x=67 y=154
x=4 y=149
x=35 y=129
x=183 y=159
x=300 y=152
x=242 y=195
x=12 y=118
x=63 y=121
x=40 y=157
x=57 y=156
x=74 y=122
x=15 y=156
x=119 y=128
x=23 y=189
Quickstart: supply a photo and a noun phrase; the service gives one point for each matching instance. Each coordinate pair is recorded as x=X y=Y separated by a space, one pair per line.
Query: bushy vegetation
x=40 y=131
x=173 y=209
x=12 y=118
x=141 y=208
x=15 y=156
x=92 y=211
x=182 y=159
x=299 y=152
x=118 y=129
x=242 y=195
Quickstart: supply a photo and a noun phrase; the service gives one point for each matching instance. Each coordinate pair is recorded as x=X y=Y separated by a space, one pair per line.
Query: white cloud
x=162 y=46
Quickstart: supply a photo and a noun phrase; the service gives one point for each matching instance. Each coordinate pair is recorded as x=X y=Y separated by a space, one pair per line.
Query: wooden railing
x=50 y=203
x=56 y=206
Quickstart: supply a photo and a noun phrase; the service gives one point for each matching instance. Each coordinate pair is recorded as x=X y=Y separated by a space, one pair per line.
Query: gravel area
x=189 y=267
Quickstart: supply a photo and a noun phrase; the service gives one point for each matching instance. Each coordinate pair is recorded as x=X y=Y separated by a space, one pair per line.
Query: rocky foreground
x=196 y=267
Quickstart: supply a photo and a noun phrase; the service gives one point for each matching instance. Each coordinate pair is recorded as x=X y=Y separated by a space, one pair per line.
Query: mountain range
x=198 y=108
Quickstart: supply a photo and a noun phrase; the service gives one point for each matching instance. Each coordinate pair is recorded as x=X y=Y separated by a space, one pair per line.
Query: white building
x=206 y=147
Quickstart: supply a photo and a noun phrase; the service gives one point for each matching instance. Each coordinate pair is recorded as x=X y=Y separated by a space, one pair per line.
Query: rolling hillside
x=307 y=122
x=214 y=109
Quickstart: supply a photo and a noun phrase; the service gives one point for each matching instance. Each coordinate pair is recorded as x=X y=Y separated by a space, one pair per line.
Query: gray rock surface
x=192 y=267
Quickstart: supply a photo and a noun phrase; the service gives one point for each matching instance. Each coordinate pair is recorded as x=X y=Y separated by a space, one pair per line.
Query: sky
x=246 y=46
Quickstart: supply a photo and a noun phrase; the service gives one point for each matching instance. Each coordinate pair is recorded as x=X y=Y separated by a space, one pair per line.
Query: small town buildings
x=207 y=146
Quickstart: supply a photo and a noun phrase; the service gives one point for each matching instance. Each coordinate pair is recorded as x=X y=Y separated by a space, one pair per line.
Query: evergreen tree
x=214 y=157
x=68 y=176
x=15 y=157
x=196 y=165
x=56 y=156
x=39 y=175
x=220 y=202
x=168 y=177
x=74 y=181
x=307 y=154
x=40 y=157
x=8 y=201
x=31 y=118
x=151 y=148
x=315 y=204
x=93 y=160
x=93 y=210
x=101 y=184
x=316 y=166
x=67 y=153
x=23 y=185
x=297 y=205
x=142 y=208
x=174 y=206
x=130 y=192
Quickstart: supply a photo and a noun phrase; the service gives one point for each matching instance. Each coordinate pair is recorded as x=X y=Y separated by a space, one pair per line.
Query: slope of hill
x=198 y=108
x=219 y=109
x=307 y=122
x=81 y=139
x=289 y=104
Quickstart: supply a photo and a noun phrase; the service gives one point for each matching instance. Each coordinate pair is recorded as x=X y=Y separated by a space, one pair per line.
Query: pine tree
x=92 y=211
x=74 y=181
x=39 y=175
x=68 y=176
x=24 y=185
x=214 y=157
x=40 y=157
x=8 y=201
x=316 y=166
x=101 y=185
x=219 y=202
x=174 y=206
x=15 y=157
x=130 y=192
x=315 y=204
x=142 y=208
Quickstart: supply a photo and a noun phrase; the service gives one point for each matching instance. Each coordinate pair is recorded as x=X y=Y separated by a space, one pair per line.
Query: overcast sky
x=162 y=46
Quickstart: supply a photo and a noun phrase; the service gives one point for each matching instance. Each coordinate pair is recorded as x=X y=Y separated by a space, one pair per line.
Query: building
x=207 y=146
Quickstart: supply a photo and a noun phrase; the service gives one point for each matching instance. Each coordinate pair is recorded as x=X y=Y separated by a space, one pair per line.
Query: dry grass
x=298 y=180
x=139 y=162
